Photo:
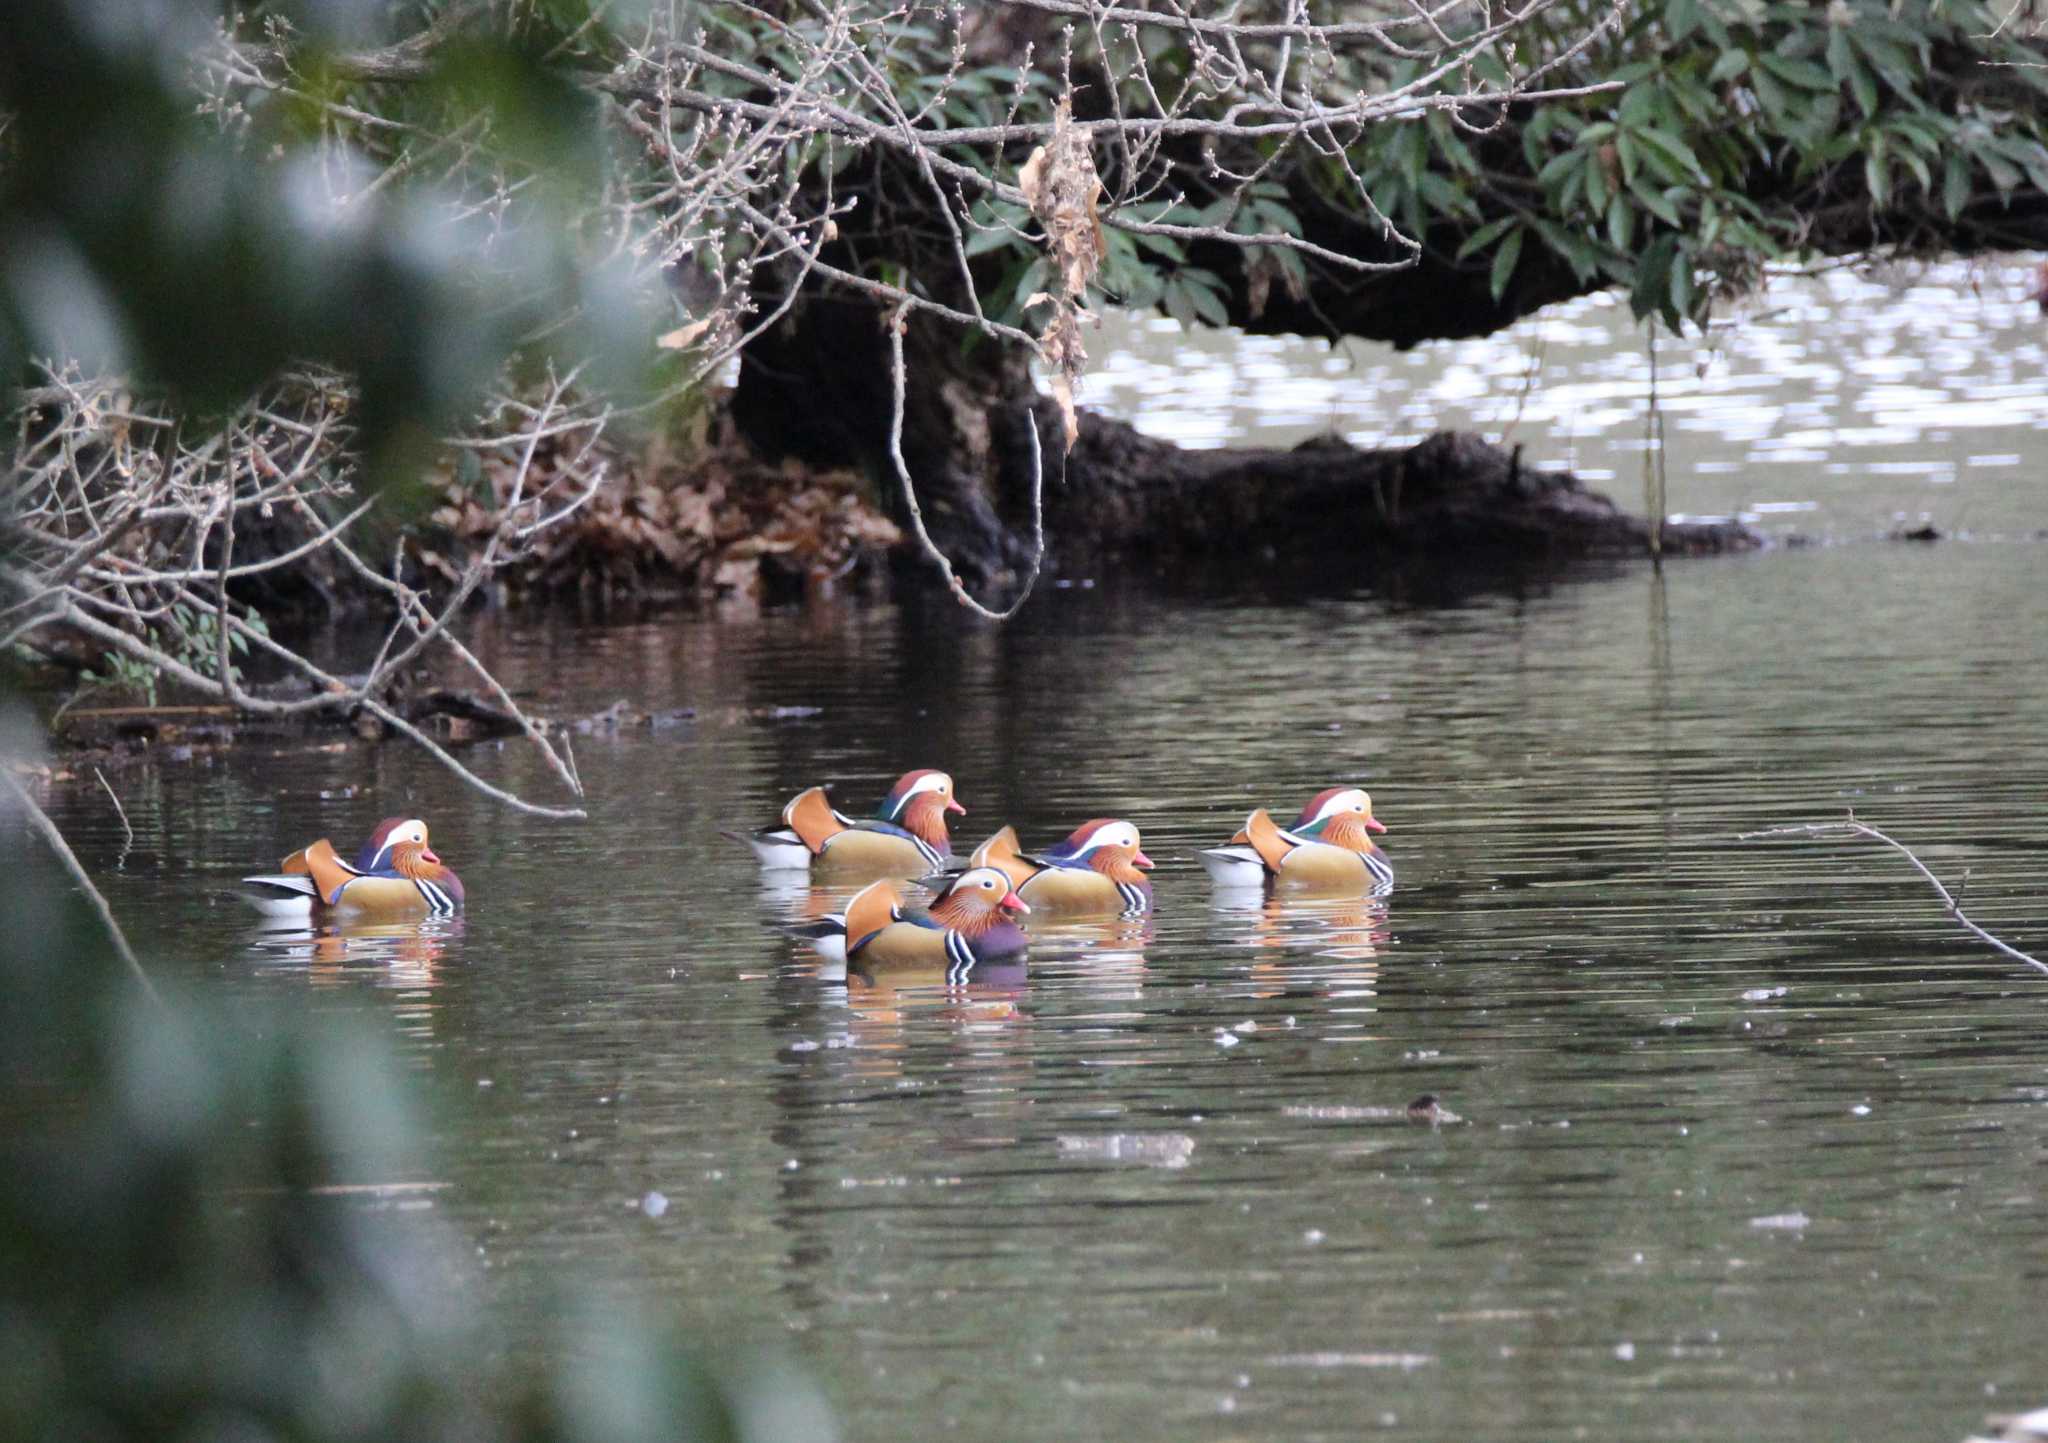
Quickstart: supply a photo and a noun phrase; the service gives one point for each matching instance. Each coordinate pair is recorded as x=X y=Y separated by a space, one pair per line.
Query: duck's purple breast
x=1005 y=939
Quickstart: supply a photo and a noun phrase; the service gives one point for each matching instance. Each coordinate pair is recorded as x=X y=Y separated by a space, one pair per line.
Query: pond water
x=1754 y=1137
x=1836 y=407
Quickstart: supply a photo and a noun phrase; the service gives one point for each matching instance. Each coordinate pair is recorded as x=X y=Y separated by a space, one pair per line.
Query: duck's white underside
x=284 y=895
x=1234 y=867
x=781 y=851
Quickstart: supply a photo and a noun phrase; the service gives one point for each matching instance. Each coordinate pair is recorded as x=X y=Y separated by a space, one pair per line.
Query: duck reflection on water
x=1331 y=945
x=400 y=954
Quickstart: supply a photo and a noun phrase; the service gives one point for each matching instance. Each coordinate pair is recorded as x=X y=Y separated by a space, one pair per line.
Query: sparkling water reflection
x=1840 y=406
x=1165 y=1185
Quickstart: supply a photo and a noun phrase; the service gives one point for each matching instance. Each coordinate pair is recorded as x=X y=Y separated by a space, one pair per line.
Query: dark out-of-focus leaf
x=130 y=228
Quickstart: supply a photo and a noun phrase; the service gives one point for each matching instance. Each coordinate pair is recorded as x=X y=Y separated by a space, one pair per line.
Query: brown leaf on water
x=741 y=577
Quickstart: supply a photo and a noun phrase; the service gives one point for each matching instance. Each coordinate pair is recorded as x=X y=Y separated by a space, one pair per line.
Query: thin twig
x=896 y=380
x=57 y=844
x=1948 y=901
x=127 y=832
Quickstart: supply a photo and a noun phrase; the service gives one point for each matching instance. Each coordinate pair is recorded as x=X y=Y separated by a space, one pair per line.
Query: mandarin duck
x=906 y=838
x=1329 y=847
x=396 y=876
x=826 y=934
x=1098 y=868
x=967 y=924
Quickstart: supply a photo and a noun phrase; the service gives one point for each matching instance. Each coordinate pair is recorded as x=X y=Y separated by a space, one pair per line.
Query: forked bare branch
x=1950 y=903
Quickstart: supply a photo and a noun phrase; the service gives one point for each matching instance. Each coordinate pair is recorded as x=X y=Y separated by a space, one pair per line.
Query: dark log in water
x=1131 y=494
x=818 y=388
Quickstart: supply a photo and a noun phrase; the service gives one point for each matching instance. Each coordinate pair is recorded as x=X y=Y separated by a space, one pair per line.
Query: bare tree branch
x=1951 y=904
x=38 y=819
x=924 y=537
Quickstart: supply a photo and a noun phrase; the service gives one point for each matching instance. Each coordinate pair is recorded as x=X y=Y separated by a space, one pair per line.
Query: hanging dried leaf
x=1060 y=182
x=682 y=336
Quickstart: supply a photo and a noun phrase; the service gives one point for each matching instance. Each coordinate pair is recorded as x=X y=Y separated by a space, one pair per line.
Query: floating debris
x=1427 y=1108
x=1764 y=994
x=1146 y=1149
x=654 y=1204
x=1403 y=1361
x=1782 y=1222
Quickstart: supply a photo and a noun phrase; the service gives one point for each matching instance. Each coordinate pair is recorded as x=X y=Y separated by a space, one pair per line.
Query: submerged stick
x=57 y=844
x=1950 y=903
x=127 y=832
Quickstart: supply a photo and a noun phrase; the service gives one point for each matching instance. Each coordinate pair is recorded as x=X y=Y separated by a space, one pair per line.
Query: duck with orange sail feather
x=905 y=838
x=1329 y=848
x=396 y=876
x=1100 y=868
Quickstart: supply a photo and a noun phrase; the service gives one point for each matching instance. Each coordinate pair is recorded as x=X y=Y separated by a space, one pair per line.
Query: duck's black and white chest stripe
x=960 y=959
x=439 y=902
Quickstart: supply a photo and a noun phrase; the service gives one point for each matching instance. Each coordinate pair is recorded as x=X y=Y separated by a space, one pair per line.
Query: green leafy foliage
x=1735 y=124
x=1731 y=134
x=179 y=247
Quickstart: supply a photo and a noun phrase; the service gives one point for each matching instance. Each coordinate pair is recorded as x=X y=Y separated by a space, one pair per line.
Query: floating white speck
x=1226 y=1038
x=803 y=1044
x=1782 y=1222
x=1402 y=1361
x=1313 y=1236
x=1861 y=1109
x=1147 y=1149
x=1625 y=1351
x=654 y=1205
x=1764 y=994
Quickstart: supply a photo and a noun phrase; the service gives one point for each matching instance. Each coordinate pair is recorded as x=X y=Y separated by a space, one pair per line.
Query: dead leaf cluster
x=1060 y=182
x=723 y=522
